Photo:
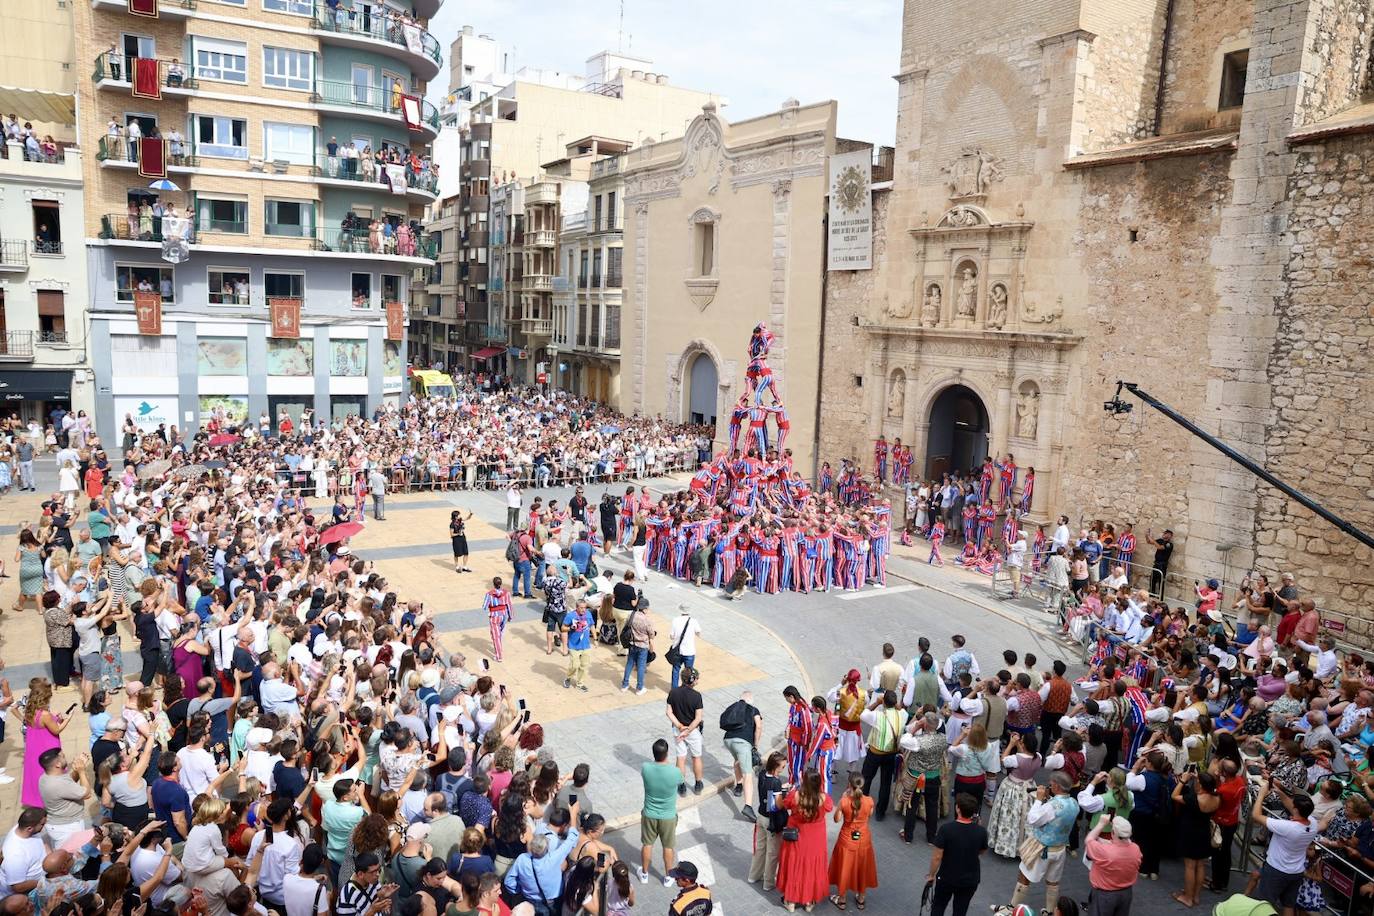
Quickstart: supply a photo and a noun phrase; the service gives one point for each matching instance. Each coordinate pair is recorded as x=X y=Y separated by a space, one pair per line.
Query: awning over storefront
x=488 y=352
x=35 y=385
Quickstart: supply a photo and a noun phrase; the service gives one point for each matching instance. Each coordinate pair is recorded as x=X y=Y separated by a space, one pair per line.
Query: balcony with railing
x=543 y=192
x=52 y=339
x=115 y=69
x=128 y=227
x=543 y=238
x=47 y=248
x=603 y=168
x=16 y=345
x=614 y=278
x=537 y=327
x=562 y=285
x=338 y=25
x=171 y=9
x=374 y=102
x=14 y=255
x=538 y=283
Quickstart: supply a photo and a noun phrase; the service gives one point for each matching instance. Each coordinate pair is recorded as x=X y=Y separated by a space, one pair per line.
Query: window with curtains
x=225 y=61
x=293 y=143
x=226 y=138
x=284 y=68
x=293 y=218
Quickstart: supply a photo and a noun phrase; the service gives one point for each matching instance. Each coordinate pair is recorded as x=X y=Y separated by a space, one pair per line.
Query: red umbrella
x=224 y=439
x=340 y=531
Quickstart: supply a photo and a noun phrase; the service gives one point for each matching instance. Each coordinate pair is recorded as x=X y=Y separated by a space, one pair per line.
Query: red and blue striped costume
x=498 y=607
x=985 y=481
x=937 y=537
x=987 y=519
x=798 y=740
x=820 y=752
x=1007 y=477
x=1125 y=551
x=1027 y=491
x=788 y=575
x=880 y=459
x=825 y=559
x=766 y=575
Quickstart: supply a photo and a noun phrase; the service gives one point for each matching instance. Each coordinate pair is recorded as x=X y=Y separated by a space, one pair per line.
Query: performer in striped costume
x=880 y=458
x=1125 y=550
x=820 y=752
x=497 y=604
x=798 y=733
x=1027 y=489
x=937 y=537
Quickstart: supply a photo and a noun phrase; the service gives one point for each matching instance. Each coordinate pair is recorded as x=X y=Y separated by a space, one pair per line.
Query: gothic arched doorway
x=958 y=432
x=702 y=388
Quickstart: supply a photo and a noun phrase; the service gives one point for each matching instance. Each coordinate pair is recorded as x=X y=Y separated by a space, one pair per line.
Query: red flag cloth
x=410 y=111
x=147 y=81
x=395 y=320
x=286 y=317
x=152 y=157
x=148 y=309
x=143 y=8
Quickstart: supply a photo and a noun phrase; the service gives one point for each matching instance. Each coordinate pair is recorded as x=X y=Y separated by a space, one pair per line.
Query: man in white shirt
x=514 y=500
x=1016 y=559
x=1061 y=534
x=1116 y=581
x=1325 y=652
x=145 y=860
x=306 y=892
x=278 y=697
x=198 y=770
x=1285 y=861
x=23 y=852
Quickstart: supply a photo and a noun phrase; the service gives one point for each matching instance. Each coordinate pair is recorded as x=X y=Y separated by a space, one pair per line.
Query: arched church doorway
x=958 y=432
x=701 y=392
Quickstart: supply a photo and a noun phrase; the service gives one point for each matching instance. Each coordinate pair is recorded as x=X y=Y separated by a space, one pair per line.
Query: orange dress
x=852 y=864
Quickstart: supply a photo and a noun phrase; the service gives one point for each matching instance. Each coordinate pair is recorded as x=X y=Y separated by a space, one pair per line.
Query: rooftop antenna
x=620 y=30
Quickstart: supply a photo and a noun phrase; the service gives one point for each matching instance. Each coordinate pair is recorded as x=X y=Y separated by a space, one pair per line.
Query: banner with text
x=851 y=211
x=148 y=309
x=286 y=316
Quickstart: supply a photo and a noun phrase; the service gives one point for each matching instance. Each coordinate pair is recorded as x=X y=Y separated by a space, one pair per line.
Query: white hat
x=417 y=832
x=1121 y=828
x=451 y=713
x=258 y=737
x=430 y=678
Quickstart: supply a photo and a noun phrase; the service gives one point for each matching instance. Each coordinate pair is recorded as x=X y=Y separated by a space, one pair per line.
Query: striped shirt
x=355 y=900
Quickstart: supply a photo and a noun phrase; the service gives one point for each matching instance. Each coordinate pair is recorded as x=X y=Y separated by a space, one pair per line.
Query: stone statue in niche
x=930 y=309
x=968 y=294
x=1027 y=413
x=997 y=307
x=896 y=396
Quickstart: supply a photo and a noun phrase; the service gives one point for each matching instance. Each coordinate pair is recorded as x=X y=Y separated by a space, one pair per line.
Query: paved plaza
x=760 y=643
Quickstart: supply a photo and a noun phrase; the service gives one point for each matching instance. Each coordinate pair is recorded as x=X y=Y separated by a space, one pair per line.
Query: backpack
x=513 y=550
x=625 y=640
x=733 y=717
x=608 y=633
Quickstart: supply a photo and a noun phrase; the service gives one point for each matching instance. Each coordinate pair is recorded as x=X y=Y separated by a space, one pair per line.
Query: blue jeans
x=689 y=661
x=523 y=569
x=636 y=661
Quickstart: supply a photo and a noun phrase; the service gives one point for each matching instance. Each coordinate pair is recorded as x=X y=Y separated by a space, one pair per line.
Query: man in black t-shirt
x=743 y=726
x=1164 y=548
x=685 y=712
x=954 y=865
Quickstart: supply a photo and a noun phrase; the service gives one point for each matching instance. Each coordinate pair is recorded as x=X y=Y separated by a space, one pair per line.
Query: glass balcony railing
x=110 y=150
x=229 y=226
x=171 y=74
x=372 y=98
x=367 y=24
x=401 y=243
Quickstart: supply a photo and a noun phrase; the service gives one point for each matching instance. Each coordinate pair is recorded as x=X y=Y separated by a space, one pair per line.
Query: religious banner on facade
x=410 y=111
x=415 y=42
x=395 y=320
x=147 y=80
x=148 y=310
x=143 y=8
x=851 y=211
x=286 y=316
x=152 y=157
x=395 y=175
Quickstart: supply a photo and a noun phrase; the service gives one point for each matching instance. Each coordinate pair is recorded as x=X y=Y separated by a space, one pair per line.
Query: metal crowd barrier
x=418 y=478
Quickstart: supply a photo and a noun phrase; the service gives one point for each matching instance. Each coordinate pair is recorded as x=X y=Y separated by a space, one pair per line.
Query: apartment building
x=291 y=179
x=44 y=344
x=587 y=291
x=509 y=136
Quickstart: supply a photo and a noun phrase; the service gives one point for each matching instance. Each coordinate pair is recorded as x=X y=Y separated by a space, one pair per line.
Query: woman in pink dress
x=188 y=655
x=42 y=733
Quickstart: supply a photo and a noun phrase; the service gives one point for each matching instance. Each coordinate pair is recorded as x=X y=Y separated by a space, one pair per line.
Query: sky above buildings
x=755 y=53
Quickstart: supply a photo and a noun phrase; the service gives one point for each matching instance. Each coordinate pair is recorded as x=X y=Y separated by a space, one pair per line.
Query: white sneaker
x=640 y=691
x=6 y=780
x=669 y=882
x=643 y=876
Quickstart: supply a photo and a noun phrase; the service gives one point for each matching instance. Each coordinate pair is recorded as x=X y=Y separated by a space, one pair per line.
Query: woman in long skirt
x=803 y=877
x=853 y=866
x=1007 y=823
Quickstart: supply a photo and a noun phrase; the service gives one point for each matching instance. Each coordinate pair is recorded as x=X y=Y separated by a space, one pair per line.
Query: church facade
x=1171 y=192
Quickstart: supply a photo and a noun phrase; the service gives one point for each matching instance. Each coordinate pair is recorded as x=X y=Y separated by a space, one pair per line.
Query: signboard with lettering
x=851 y=211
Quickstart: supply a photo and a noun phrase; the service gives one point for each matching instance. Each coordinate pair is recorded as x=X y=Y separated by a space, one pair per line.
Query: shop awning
x=488 y=352
x=35 y=385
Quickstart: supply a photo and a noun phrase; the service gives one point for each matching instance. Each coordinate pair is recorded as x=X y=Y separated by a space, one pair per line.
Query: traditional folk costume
x=937 y=537
x=497 y=604
x=798 y=740
x=849 y=701
x=820 y=752
x=880 y=459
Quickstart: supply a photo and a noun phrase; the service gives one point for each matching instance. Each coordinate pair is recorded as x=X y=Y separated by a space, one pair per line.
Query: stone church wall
x=1203 y=32
x=1322 y=371
x=1144 y=320
x=845 y=405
